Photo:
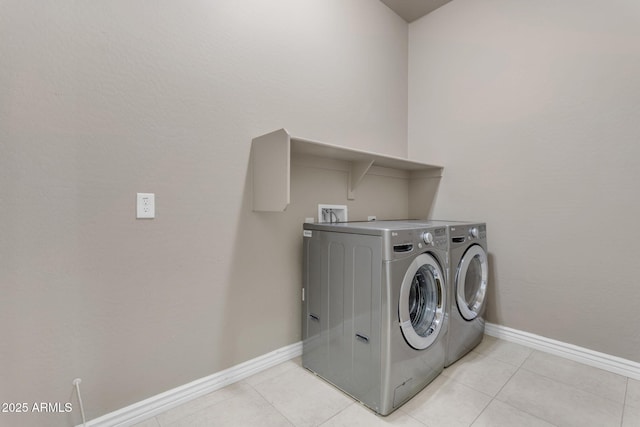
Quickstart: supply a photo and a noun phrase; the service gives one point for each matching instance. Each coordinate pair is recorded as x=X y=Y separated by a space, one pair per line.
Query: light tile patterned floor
x=497 y=384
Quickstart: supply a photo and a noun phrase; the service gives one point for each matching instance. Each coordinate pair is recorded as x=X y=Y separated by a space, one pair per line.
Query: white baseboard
x=610 y=363
x=157 y=404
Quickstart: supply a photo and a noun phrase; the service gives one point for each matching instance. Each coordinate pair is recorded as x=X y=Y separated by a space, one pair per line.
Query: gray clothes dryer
x=467 y=275
x=374 y=303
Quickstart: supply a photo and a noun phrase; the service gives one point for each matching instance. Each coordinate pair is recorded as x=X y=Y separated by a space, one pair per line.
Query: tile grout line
x=505 y=384
x=492 y=358
x=498 y=392
x=268 y=402
x=146 y=421
x=624 y=402
x=574 y=387
x=338 y=413
x=307 y=372
x=204 y=408
x=482 y=412
x=468 y=386
x=564 y=384
x=411 y=416
x=497 y=358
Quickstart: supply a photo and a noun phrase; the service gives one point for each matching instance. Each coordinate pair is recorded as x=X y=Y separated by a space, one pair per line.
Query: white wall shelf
x=271 y=154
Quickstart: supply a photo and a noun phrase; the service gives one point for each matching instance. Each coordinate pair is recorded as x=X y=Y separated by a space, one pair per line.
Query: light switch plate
x=146 y=205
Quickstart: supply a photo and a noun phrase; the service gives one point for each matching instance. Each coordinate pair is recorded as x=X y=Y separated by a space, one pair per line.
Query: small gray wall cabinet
x=271 y=163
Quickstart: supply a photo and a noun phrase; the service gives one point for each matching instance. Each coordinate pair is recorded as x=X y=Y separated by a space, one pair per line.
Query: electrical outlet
x=332 y=213
x=146 y=205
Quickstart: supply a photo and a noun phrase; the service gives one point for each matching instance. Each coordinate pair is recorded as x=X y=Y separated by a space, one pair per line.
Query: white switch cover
x=146 y=205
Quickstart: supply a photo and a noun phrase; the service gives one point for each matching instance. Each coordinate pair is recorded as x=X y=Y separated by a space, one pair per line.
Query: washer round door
x=471 y=282
x=422 y=302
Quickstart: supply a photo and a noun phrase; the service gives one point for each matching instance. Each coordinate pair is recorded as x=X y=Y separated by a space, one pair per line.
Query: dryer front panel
x=421 y=307
x=471 y=282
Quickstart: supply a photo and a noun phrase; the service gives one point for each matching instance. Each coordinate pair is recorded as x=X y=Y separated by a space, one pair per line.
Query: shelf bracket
x=357 y=171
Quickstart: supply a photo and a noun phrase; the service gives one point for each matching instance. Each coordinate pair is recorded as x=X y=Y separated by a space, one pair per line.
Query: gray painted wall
x=100 y=100
x=533 y=108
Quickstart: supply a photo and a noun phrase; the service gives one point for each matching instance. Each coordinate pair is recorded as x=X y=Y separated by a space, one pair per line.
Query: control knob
x=473 y=232
x=427 y=237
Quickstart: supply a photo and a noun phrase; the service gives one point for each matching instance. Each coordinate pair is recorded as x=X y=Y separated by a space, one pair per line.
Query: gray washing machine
x=374 y=304
x=468 y=272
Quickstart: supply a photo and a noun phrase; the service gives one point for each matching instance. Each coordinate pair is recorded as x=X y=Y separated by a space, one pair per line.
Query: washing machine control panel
x=435 y=237
x=407 y=242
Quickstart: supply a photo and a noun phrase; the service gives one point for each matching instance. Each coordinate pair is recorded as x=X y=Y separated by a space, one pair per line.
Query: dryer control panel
x=463 y=234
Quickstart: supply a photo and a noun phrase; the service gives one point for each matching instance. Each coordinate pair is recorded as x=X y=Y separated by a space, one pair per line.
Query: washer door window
x=422 y=302
x=471 y=282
